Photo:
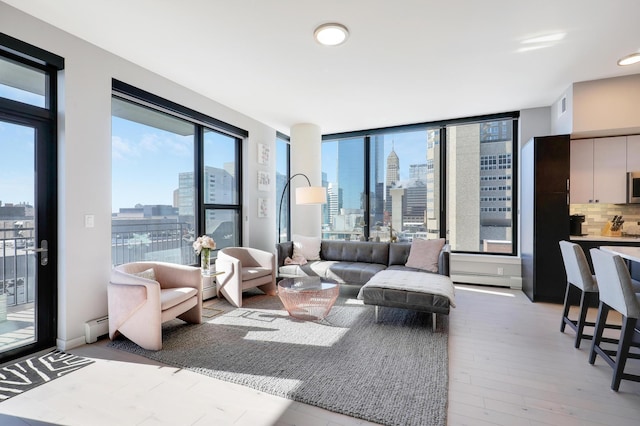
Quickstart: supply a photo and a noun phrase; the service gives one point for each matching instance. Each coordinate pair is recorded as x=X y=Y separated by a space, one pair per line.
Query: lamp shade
x=311 y=195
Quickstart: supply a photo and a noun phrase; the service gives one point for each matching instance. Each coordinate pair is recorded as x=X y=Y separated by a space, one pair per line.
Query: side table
x=209 y=285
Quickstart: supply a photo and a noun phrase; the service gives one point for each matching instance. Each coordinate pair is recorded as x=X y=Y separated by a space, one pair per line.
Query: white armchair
x=140 y=300
x=243 y=268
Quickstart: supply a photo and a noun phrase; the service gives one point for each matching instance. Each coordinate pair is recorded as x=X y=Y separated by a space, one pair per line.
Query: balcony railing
x=166 y=242
x=17 y=265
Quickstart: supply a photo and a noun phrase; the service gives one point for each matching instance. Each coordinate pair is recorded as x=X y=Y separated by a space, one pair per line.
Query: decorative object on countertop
x=203 y=246
x=613 y=228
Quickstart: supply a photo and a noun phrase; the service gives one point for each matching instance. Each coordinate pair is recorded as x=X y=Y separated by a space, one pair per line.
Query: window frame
x=202 y=123
x=513 y=116
x=287 y=213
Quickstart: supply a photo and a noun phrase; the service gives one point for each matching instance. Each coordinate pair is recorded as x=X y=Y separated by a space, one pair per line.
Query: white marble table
x=626 y=252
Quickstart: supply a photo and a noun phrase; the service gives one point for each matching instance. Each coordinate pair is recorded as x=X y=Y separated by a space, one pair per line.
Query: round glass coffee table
x=308 y=298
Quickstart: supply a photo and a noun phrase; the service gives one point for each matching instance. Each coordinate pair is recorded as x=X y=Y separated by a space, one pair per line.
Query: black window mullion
x=443 y=182
x=367 y=187
x=198 y=178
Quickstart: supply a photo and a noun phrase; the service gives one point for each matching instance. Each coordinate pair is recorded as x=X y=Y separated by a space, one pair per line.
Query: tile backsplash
x=597 y=215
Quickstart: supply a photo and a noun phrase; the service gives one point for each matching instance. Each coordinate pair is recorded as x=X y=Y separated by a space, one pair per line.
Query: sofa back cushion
x=399 y=253
x=355 y=251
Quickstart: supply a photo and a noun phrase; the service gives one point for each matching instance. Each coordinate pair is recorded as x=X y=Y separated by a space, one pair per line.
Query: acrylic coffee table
x=308 y=298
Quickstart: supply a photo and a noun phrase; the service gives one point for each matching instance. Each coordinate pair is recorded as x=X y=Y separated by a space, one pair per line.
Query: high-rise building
x=350 y=174
x=376 y=190
x=393 y=175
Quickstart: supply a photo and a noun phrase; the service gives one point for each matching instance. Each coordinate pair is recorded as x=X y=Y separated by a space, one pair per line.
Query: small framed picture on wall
x=264 y=154
x=263 y=207
x=264 y=181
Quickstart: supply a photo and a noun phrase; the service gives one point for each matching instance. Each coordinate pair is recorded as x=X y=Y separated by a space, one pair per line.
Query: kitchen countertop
x=601 y=238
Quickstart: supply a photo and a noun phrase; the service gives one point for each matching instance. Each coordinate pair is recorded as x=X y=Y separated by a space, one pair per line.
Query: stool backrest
x=577 y=267
x=614 y=283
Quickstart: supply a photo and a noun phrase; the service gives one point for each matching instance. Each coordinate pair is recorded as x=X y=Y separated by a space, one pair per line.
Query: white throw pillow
x=424 y=254
x=148 y=274
x=307 y=247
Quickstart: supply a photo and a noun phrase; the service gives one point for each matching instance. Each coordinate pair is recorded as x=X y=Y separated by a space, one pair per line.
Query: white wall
x=84 y=161
x=306 y=152
x=606 y=107
x=562 y=122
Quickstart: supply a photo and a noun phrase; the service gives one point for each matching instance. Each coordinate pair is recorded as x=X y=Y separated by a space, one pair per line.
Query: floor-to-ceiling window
x=480 y=187
x=343 y=174
x=453 y=179
x=175 y=175
x=283 y=172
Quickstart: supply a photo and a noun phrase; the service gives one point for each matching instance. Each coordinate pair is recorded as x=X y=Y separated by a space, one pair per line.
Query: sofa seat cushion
x=394 y=298
x=316 y=268
x=410 y=282
x=170 y=297
x=354 y=272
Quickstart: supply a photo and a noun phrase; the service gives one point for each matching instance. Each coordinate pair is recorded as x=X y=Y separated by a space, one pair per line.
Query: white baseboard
x=64 y=345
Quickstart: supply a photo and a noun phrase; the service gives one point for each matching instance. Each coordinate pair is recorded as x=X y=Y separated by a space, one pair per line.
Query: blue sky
x=147 y=161
x=16 y=152
x=16 y=163
x=410 y=147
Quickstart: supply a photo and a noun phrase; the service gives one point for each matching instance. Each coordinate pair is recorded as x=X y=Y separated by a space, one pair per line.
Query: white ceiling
x=406 y=61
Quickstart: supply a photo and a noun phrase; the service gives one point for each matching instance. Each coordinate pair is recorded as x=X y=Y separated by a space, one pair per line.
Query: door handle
x=44 y=250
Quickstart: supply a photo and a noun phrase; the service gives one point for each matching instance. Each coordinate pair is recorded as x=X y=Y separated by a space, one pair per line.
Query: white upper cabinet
x=598 y=170
x=610 y=170
x=633 y=153
x=581 y=171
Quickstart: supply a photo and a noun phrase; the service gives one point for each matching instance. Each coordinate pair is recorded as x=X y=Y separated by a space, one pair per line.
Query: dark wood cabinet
x=544 y=216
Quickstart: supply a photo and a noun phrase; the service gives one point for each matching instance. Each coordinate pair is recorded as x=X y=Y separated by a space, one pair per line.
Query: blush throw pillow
x=424 y=254
x=307 y=247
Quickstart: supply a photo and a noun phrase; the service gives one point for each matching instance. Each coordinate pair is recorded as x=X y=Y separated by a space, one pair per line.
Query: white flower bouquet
x=204 y=242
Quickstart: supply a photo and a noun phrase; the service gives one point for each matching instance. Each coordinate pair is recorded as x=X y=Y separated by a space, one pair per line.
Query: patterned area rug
x=21 y=376
x=394 y=372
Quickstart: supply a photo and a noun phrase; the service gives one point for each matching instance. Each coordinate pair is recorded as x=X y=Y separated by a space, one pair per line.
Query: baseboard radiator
x=95 y=329
x=498 y=271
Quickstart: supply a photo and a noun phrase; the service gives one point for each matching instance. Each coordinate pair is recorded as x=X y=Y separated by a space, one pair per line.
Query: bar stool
x=578 y=276
x=616 y=292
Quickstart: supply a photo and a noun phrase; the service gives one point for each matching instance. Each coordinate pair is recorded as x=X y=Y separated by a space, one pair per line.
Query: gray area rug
x=394 y=372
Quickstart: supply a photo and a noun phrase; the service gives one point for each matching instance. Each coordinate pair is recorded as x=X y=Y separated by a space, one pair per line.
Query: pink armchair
x=139 y=304
x=243 y=268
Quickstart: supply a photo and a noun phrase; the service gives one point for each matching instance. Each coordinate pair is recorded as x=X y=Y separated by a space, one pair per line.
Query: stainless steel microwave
x=633 y=187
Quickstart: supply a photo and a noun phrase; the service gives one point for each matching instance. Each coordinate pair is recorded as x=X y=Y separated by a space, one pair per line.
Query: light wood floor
x=509 y=365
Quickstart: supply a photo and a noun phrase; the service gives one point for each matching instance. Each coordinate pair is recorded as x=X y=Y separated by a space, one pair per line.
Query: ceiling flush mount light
x=629 y=59
x=331 y=34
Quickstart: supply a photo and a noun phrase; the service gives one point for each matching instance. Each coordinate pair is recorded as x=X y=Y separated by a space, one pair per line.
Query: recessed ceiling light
x=629 y=59
x=331 y=34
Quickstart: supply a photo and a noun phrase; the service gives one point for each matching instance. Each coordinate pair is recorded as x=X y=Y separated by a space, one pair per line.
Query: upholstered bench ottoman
x=418 y=291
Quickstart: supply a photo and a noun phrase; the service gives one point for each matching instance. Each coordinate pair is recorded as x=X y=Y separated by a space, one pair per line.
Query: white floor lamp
x=304 y=195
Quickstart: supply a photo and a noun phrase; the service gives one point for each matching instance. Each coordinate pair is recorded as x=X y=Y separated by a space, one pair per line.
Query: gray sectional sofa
x=353 y=262
x=356 y=263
